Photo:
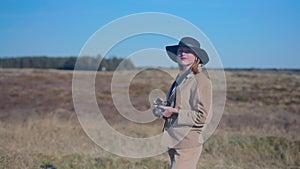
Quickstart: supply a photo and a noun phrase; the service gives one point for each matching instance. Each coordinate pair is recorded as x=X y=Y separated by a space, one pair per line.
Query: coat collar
x=189 y=75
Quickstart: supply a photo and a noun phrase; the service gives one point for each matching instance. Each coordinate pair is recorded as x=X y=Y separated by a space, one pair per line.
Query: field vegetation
x=39 y=127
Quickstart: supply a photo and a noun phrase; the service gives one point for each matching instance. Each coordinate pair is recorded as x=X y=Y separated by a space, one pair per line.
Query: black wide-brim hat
x=190 y=43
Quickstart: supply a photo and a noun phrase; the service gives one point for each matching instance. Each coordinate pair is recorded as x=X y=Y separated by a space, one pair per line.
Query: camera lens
x=158 y=111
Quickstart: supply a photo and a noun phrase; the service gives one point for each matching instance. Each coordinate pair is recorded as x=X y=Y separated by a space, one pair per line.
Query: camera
x=157 y=111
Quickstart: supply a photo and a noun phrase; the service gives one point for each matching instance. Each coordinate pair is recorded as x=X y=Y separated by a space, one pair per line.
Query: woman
x=189 y=100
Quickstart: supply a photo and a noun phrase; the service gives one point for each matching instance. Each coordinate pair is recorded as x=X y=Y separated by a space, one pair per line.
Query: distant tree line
x=68 y=63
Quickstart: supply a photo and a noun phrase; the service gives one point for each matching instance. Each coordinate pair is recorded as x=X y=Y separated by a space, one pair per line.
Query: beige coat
x=194 y=100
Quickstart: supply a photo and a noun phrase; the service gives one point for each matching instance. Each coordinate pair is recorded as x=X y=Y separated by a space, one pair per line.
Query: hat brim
x=201 y=54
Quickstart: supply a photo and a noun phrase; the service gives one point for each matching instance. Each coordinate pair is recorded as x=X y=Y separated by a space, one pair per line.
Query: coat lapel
x=184 y=82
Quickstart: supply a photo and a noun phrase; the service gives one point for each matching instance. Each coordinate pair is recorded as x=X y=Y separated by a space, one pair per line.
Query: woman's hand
x=168 y=111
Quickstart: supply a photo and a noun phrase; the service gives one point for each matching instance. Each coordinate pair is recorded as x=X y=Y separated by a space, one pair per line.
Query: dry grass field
x=39 y=128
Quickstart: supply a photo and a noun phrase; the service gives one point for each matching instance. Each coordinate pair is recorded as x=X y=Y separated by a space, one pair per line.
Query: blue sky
x=245 y=33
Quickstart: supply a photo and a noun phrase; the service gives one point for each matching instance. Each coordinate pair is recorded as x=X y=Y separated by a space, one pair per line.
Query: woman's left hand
x=168 y=111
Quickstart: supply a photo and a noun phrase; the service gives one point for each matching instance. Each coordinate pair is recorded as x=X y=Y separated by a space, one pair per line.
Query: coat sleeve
x=200 y=103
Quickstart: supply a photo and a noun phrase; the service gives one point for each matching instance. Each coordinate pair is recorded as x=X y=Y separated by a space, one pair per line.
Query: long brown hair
x=194 y=66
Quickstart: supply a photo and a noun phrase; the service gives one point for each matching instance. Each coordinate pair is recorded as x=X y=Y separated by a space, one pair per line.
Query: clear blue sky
x=246 y=33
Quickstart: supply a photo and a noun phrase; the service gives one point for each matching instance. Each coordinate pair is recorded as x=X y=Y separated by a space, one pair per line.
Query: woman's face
x=186 y=56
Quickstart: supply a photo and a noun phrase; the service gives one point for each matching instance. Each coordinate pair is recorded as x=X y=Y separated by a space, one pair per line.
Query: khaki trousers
x=184 y=158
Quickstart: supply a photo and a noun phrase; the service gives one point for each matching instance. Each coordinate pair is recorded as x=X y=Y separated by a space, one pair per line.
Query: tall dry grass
x=64 y=145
